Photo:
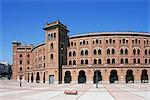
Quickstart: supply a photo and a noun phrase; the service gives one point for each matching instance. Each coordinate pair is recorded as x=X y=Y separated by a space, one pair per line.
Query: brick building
x=86 y=58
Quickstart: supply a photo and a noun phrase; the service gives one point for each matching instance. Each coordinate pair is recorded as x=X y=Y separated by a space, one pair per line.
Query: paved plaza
x=10 y=90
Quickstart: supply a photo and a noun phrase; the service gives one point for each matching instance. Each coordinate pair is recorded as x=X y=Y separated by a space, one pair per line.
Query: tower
x=56 y=42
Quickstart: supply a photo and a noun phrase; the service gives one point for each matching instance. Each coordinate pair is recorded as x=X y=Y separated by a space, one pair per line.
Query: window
x=139 y=41
x=126 y=61
x=20 y=68
x=94 y=52
x=121 y=51
x=49 y=36
x=123 y=40
x=113 y=41
x=106 y=41
x=80 y=43
x=113 y=61
x=100 y=41
x=81 y=52
x=126 y=41
x=28 y=55
x=52 y=56
x=145 y=61
x=44 y=65
x=86 y=61
x=133 y=41
x=110 y=40
x=70 y=53
x=99 y=61
x=44 y=57
x=20 y=55
x=113 y=51
x=138 y=51
x=87 y=42
x=134 y=51
x=71 y=43
x=28 y=62
x=96 y=40
x=74 y=53
x=86 y=52
x=84 y=42
x=93 y=42
x=74 y=62
x=20 y=62
x=70 y=62
x=95 y=61
x=108 y=51
x=126 y=51
x=99 y=51
x=145 y=51
x=134 y=61
x=51 y=47
x=149 y=52
x=138 y=61
x=121 y=61
x=120 y=41
x=54 y=35
x=82 y=61
x=108 y=61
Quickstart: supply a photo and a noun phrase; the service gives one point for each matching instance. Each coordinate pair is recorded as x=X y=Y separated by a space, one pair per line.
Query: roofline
x=38 y=46
x=90 y=34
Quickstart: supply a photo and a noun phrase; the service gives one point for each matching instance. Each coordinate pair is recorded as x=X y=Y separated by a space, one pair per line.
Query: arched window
x=28 y=55
x=108 y=61
x=123 y=40
x=110 y=40
x=134 y=61
x=94 y=52
x=99 y=61
x=138 y=61
x=20 y=55
x=86 y=61
x=20 y=68
x=52 y=56
x=145 y=51
x=74 y=53
x=126 y=51
x=134 y=51
x=138 y=51
x=51 y=46
x=108 y=51
x=99 y=52
x=121 y=61
x=95 y=61
x=74 y=62
x=126 y=61
x=145 y=61
x=82 y=61
x=121 y=51
x=113 y=61
x=70 y=53
x=86 y=52
x=54 y=35
x=81 y=52
x=113 y=51
x=70 y=62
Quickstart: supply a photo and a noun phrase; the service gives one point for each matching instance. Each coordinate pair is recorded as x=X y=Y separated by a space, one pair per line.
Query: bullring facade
x=85 y=58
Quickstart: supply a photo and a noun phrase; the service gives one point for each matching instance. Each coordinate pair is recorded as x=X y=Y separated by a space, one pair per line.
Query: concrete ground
x=10 y=90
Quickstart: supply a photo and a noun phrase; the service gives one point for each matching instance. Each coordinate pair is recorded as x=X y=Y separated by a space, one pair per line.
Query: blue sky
x=23 y=20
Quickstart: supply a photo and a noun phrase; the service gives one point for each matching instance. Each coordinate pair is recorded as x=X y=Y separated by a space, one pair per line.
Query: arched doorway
x=113 y=76
x=144 y=76
x=97 y=76
x=44 y=78
x=129 y=76
x=37 y=77
x=67 y=78
x=32 y=77
x=82 y=77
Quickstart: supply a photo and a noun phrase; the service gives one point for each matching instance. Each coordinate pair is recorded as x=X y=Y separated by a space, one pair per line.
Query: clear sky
x=23 y=20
